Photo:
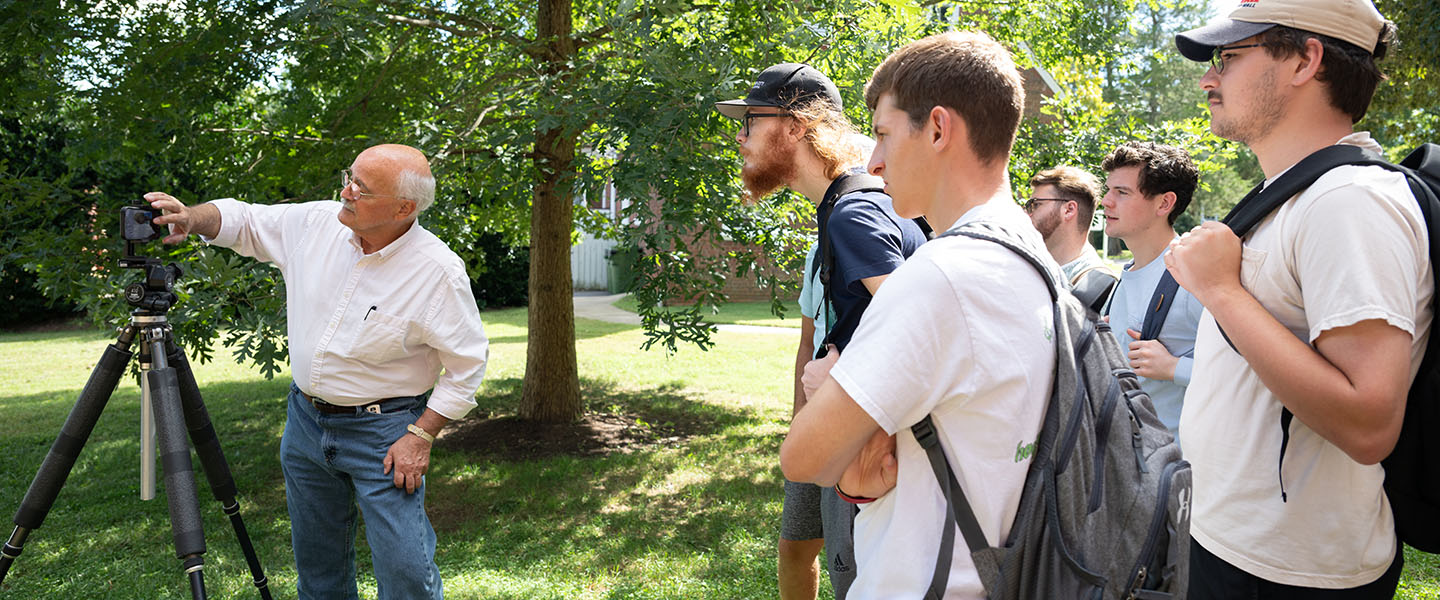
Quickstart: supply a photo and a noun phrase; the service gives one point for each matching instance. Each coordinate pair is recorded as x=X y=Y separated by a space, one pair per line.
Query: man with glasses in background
x=794 y=134
x=376 y=307
x=1062 y=206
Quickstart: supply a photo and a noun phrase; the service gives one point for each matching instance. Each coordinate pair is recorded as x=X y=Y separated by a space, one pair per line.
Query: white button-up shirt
x=362 y=326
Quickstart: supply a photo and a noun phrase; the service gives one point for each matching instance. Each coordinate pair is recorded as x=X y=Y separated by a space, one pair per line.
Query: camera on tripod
x=137 y=224
x=155 y=292
x=170 y=399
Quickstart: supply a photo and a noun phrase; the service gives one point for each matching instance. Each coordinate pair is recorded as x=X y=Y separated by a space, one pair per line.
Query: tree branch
x=472 y=27
x=287 y=136
x=380 y=76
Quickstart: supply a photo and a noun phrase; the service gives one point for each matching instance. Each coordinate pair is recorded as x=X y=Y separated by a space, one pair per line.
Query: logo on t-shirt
x=1024 y=451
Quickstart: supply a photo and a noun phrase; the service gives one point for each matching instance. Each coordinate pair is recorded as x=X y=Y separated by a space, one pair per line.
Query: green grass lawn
x=689 y=519
x=693 y=519
x=740 y=313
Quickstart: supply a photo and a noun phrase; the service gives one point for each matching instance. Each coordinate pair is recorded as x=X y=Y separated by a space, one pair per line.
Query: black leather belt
x=336 y=409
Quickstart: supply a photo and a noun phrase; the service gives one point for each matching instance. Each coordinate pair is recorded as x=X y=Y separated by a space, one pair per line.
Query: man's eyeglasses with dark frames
x=746 y=118
x=1034 y=203
x=1218 y=61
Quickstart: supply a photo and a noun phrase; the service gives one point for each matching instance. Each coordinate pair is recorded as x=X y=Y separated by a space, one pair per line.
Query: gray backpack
x=1105 y=511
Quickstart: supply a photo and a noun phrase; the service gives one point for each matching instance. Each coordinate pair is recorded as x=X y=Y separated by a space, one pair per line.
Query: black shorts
x=1214 y=579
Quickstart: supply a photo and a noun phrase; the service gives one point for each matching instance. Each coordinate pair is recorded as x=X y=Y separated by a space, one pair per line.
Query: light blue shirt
x=1128 y=308
x=812 y=294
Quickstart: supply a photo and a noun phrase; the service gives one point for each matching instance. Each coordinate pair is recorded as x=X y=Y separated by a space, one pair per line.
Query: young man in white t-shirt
x=1327 y=303
x=961 y=331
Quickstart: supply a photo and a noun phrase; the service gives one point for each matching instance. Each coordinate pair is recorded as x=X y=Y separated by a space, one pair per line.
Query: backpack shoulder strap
x=843 y=185
x=1159 y=306
x=1263 y=200
x=996 y=233
x=1422 y=172
x=959 y=513
x=1093 y=286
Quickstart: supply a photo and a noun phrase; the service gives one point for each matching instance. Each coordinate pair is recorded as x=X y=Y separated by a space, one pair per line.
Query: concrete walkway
x=599 y=306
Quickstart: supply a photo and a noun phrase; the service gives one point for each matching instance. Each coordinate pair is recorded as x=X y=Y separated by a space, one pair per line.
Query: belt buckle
x=373 y=408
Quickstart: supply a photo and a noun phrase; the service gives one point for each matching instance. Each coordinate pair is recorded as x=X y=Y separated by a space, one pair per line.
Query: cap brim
x=1199 y=43
x=735 y=109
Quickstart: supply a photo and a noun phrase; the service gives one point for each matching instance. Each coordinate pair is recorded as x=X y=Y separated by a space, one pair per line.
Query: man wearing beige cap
x=1325 y=303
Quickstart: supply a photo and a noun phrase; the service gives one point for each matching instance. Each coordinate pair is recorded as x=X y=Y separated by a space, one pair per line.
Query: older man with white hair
x=377 y=306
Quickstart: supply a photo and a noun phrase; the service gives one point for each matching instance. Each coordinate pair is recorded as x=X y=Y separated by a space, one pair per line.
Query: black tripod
x=169 y=386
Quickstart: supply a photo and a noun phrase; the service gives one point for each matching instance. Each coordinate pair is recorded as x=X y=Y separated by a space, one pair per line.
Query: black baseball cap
x=784 y=86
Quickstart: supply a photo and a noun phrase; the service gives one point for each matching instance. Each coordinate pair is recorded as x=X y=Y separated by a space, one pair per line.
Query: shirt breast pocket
x=381 y=339
x=1251 y=262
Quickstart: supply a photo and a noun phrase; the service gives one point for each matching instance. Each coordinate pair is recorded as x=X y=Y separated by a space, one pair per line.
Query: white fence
x=589 y=263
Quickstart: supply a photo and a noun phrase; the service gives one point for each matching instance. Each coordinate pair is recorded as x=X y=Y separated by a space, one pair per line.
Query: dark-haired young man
x=1061 y=206
x=962 y=331
x=1149 y=186
x=1327 y=305
x=794 y=134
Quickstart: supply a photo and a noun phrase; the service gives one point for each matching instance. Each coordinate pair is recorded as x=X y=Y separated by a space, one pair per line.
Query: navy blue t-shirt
x=866 y=239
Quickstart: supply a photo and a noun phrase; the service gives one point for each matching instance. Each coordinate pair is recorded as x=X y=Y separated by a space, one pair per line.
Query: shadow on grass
x=674 y=498
x=99 y=534
x=615 y=420
x=681 y=501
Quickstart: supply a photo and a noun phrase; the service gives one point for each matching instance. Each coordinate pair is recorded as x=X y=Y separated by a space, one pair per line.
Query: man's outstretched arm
x=201 y=219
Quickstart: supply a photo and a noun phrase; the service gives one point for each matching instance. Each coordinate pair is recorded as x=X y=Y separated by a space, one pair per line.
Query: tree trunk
x=551 y=391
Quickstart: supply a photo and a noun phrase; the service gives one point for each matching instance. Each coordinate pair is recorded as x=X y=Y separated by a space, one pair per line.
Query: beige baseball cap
x=1353 y=21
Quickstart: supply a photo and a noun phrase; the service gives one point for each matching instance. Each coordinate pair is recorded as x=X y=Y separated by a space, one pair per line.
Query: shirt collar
x=390 y=249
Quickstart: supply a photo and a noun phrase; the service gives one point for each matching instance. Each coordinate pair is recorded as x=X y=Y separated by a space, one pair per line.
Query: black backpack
x=844 y=185
x=1093 y=287
x=1105 y=508
x=1412 y=471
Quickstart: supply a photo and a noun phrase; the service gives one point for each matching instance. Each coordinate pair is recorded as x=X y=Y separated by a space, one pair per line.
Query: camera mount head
x=152 y=295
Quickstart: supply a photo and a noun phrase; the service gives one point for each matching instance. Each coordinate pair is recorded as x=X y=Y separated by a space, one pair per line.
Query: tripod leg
x=217 y=469
x=73 y=435
x=180 y=490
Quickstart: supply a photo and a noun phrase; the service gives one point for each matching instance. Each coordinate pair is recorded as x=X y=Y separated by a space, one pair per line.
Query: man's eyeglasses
x=1217 y=58
x=347 y=179
x=1034 y=203
x=747 y=117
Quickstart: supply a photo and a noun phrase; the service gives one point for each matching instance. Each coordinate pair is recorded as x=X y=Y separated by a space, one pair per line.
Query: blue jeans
x=331 y=464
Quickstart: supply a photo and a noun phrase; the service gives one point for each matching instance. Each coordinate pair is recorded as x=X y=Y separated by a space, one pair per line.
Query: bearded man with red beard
x=794 y=134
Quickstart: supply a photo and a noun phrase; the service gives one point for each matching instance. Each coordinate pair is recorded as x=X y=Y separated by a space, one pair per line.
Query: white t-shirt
x=1350 y=248
x=963 y=331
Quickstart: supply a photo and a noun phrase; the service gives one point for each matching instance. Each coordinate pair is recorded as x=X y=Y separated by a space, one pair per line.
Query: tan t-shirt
x=1352 y=247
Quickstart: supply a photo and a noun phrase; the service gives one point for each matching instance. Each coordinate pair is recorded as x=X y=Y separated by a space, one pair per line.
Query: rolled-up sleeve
x=455 y=332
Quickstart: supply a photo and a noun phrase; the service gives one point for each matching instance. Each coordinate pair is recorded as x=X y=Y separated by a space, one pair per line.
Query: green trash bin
x=621 y=270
